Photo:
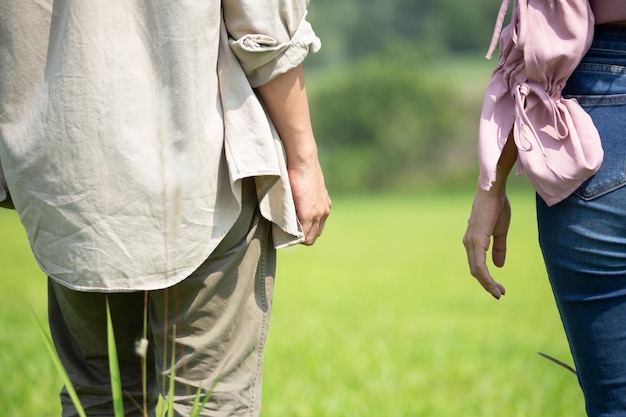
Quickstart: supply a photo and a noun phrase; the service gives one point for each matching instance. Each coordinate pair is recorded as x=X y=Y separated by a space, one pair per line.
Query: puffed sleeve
x=269 y=37
x=558 y=145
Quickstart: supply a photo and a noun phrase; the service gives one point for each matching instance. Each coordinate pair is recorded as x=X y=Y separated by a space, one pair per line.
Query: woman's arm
x=490 y=216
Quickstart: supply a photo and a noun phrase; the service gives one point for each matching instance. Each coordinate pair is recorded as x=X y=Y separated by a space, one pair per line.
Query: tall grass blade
x=142 y=353
x=558 y=362
x=114 y=367
x=170 y=392
x=197 y=406
x=69 y=387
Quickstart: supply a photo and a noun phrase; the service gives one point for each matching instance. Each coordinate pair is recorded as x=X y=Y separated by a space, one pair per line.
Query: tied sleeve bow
x=558 y=145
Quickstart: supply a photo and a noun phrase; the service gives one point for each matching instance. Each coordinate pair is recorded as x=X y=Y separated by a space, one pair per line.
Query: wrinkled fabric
x=264 y=52
x=127 y=127
x=558 y=145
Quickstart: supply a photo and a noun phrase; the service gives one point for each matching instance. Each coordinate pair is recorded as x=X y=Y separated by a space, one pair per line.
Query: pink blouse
x=558 y=144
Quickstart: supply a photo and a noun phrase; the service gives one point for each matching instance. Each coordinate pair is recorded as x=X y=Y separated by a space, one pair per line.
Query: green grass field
x=380 y=319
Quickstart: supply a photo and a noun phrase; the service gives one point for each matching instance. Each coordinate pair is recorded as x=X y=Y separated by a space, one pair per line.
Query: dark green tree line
x=353 y=29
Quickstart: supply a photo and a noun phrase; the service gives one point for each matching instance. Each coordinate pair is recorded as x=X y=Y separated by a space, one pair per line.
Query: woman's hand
x=490 y=217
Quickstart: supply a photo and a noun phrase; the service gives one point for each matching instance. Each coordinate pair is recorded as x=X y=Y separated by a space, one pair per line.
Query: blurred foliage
x=381 y=125
x=354 y=29
x=393 y=105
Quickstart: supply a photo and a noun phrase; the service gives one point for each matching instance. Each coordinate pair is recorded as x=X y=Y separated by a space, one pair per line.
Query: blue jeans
x=583 y=238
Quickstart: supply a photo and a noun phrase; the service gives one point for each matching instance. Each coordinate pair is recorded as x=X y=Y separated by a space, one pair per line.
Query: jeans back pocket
x=600 y=88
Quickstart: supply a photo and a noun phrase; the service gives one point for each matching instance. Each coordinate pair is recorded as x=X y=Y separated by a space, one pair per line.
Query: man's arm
x=286 y=101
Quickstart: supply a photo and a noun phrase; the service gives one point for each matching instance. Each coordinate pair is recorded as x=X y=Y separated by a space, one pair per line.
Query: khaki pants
x=216 y=319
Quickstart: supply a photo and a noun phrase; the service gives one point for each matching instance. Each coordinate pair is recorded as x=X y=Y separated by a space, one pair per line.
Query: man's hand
x=491 y=216
x=311 y=199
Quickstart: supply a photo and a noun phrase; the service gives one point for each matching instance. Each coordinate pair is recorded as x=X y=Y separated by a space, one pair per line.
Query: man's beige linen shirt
x=126 y=128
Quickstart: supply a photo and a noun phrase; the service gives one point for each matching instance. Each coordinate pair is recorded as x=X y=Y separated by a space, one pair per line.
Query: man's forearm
x=286 y=101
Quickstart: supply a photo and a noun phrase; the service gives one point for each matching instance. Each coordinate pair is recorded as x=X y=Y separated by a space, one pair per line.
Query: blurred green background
x=396 y=91
x=381 y=317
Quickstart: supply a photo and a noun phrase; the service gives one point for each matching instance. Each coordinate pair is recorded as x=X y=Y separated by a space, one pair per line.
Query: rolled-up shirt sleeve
x=269 y=37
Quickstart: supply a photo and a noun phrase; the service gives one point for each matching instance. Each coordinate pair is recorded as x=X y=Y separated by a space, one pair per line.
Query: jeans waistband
x=610 y=37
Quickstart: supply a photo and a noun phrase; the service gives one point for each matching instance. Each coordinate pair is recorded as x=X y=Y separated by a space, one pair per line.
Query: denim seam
x=597 y=99
x=602 y=189
x=603 y=68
